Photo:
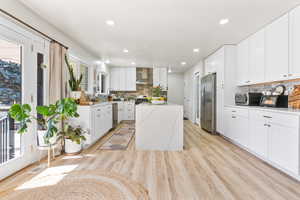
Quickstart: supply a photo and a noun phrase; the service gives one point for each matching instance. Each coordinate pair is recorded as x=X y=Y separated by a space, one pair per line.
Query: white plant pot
x=41 y=141
x=72 y=147
x=75 y=94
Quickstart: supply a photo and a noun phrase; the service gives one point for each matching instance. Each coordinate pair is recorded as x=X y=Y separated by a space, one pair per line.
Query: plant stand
x=49 y=149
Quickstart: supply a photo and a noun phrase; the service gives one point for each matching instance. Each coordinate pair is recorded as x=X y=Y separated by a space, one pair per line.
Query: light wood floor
x=208 y=168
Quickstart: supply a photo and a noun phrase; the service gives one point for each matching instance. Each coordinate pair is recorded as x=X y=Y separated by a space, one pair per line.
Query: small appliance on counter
x=277 y=101
x=248 y=99
x=141 y=99
x=275 y=98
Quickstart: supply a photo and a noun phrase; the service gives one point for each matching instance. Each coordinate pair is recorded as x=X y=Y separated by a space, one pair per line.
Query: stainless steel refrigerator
x=208 y=103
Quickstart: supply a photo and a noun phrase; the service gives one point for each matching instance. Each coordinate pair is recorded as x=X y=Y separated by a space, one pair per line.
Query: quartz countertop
x=269 y=109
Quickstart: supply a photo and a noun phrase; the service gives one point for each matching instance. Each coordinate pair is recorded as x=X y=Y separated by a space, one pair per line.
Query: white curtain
x=57 y=73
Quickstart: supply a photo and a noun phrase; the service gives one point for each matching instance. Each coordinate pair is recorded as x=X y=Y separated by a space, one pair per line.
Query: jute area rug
x=81 y=185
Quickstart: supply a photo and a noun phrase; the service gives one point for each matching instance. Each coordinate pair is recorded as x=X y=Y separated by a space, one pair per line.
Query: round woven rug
x=83 y=185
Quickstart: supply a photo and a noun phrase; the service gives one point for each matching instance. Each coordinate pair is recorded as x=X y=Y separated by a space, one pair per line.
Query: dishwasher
x=115 y=115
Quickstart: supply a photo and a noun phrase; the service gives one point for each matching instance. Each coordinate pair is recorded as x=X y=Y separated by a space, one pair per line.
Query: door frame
x=31 y=45
x=197 y=98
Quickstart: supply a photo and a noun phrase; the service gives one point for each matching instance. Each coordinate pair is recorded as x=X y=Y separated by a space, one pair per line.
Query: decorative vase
x=72 y=147
x=75 y=94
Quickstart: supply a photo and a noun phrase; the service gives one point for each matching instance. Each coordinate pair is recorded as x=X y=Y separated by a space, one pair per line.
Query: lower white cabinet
x=273 y=136
x=126 y=111
x=284 y=147
x=96 y=120
x=237 y=125
x=258 y=137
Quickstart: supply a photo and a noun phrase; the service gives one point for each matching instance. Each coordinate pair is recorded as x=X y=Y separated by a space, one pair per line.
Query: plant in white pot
x=156 y=95
x=74 y=83
x=73 y=139
x=47 y=133
x=48 y=122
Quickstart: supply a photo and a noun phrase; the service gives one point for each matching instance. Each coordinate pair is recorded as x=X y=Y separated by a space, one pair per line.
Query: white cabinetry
x=284 y=146
x=277 y=49
x=237 y=127
x=223 y=63
x=126 y=111
x=210 y=65
x=257 y=57
x=273 y=136
x=96 y=119
x=123 y=79
x=258 y=140
x=294 y=69
x=160 y=77
x=242 y=69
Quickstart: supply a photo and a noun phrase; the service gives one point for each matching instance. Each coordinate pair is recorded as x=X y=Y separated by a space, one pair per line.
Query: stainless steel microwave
x=248 y=99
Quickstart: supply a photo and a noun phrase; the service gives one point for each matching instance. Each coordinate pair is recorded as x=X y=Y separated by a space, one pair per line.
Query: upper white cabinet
x=277 y=49
x=131 y=79
x=160 y=77
x=242 y=69
x=294 y=69
x=210 y=65
x=123 y=79
x=257 y=57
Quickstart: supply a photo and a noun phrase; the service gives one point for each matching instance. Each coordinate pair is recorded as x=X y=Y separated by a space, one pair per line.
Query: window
x=81 y=68
x=10 y=93
x=84 y=70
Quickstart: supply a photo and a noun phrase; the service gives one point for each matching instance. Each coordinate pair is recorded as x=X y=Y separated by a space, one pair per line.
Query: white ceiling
x=157 y=32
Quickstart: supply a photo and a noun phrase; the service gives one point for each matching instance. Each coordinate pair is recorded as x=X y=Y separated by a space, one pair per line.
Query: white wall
x=20 y=11
x=189 y=90
x=175 y=88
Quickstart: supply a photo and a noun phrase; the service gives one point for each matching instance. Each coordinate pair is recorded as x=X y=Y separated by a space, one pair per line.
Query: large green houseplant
x=74 y=83
x=51 y=116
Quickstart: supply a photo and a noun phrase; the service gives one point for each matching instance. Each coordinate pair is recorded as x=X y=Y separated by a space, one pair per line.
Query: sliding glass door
x=18 y=84
x=10 y=93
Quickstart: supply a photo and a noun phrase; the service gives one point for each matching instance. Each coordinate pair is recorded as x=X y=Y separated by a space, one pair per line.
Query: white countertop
x=160 y=105
x=269 y=109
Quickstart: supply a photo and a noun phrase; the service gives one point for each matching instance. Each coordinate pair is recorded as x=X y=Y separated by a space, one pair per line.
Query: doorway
x=197 y=99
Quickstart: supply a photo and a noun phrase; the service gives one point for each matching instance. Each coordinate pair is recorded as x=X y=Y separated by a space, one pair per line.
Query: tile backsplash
x=268 y=87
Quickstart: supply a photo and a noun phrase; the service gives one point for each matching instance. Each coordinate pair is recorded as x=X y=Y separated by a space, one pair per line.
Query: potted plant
x=74 y=83
x=73 y=139
x=50 y=117
x=156 y=95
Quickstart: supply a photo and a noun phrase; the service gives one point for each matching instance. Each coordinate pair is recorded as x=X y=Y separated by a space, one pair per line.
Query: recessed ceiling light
x=224 y=21
x=107 y=61
x=183 y=63
x=169 y=70
x=133 y=63
x=125 y=50
x=196 y=50
x=110 y=23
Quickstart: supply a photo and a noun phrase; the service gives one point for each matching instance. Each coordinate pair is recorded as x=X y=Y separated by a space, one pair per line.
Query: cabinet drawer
x=238 y=111
x=283 y=119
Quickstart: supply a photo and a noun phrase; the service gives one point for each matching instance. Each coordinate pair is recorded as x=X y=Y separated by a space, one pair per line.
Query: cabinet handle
x=233 y=111
x=285 y=75
x=267 y=117
x=233 y=117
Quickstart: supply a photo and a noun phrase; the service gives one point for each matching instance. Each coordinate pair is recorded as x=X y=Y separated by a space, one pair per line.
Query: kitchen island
x=159 y=127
